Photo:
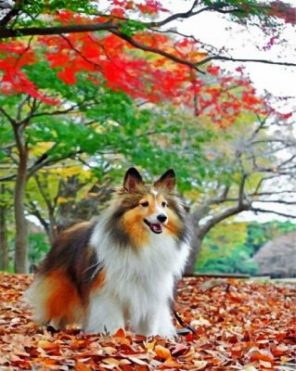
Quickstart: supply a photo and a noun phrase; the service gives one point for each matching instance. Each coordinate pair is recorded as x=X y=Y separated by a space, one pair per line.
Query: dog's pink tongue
x=156 y=227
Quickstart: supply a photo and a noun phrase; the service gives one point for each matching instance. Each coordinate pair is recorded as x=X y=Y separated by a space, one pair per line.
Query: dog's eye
x=164 y=204
x=144 y=203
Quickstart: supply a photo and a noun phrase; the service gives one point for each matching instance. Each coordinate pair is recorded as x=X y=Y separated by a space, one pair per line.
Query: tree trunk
x=53 y=227
x=21 y=245
x=3 y=235
x=195 y=249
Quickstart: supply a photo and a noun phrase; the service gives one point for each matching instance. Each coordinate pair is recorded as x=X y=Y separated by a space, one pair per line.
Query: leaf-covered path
x=240 y=325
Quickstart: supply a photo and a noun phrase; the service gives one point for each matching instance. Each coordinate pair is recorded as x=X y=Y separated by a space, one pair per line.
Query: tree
x=225 y=250
x=4 y=211
x=64 y=195
x=253 y=168
x=63 y=138
x=230 y=246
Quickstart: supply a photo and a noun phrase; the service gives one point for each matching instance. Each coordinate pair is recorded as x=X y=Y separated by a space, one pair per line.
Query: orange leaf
x=261 y=355
x=120 y=333
x=162 y=352
x=279 y=350
x=48 y=345
x=82 y=367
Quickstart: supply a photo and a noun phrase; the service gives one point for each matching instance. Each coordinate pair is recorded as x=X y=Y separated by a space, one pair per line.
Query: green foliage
x=237 y=262
x=244 y=8
x=229 y=247
x=260 y=233
x=38 y=247
x=130 y=27
x=35 y=8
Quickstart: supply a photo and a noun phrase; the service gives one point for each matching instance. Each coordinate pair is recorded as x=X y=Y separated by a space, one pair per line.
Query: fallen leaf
x=162 y=352
x=79 y=366
x=200 y=365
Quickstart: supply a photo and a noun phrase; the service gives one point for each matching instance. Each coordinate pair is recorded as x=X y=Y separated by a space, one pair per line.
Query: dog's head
x=144 y=210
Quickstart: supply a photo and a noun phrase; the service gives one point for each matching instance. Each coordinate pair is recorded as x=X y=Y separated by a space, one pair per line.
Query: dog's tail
x=55 y=300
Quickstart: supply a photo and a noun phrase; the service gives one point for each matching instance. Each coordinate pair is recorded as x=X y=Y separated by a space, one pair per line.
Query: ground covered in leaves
x=239 y=325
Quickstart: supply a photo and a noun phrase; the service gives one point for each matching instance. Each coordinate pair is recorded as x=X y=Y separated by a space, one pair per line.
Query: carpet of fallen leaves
x=239 y=325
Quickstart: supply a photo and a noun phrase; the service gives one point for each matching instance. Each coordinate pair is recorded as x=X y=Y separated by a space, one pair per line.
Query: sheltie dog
x=118 y=271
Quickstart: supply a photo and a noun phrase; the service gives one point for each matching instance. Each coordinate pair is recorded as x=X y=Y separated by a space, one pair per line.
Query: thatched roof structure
x=277 y=258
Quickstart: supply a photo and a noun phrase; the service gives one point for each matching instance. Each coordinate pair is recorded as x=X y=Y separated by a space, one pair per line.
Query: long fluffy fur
x=119 y=271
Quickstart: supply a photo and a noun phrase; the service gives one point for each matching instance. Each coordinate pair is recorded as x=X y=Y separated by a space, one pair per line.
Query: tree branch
x=231 y=211
x=77 y=51
x=284 y=202
x=272 y=193
x=182 y=15
x=259 y=210
x=8 y=178
x=43 y=193
x=191 y=13
x=57 y=30
x=9 y=118
x=115 y=29
x=9 y=16
x=163 y=53
x=34 y=211
x=244 y=60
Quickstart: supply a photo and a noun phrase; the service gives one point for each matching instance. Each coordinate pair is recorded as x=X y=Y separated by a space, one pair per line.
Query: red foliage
x=142 y=75
x=146 y=7
x=151 y=7
x=13 y=79
x=283 y=10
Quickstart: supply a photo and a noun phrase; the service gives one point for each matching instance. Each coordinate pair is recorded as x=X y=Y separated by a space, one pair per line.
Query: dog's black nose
x=162 y=218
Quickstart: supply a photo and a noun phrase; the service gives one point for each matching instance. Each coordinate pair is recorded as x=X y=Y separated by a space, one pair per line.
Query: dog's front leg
x=157 y=322
x=165 y=326
x=105 y=315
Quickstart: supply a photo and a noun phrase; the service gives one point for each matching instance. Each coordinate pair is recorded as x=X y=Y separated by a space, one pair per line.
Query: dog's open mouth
x=155 y=227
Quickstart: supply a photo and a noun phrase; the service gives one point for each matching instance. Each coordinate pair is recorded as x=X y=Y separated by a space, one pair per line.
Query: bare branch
x=272 y=193
x=244 y=60
x=259 y=210
x=34 y=211
x=277 y=201
x=9 y=16
x=8 y=178
x=182 y=15
x=287 y=161
x=231 y=211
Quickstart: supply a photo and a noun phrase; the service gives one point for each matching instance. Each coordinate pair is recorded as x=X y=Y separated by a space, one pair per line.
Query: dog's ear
x=132 y=180
x=167 y=181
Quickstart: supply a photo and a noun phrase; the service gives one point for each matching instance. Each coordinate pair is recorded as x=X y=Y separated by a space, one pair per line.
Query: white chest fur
x=138 y=286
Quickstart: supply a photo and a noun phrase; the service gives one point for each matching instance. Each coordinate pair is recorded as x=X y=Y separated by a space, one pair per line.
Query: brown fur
x=63 y=303
x=72 y=254
x=68 y=273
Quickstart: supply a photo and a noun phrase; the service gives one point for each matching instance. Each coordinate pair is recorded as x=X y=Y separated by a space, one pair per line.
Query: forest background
x=90 y=88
